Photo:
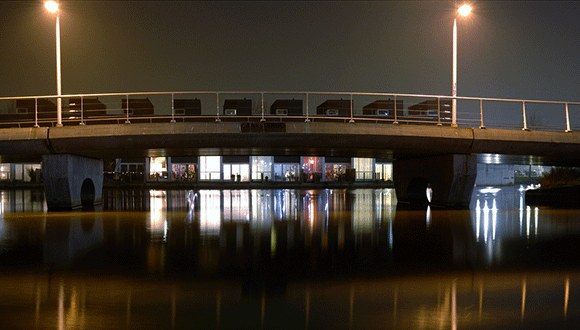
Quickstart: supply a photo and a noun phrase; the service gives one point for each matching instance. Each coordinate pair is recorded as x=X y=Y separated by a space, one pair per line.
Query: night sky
x=512 y=49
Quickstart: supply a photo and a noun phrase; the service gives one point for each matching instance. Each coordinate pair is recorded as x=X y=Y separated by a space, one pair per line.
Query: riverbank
x=566 y=197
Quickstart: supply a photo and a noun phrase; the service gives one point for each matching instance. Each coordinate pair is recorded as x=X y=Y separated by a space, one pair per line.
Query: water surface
x=288 y=259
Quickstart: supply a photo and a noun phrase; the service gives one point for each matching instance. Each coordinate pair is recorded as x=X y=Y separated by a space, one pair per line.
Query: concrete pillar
x=451 y=178
x=72 y=181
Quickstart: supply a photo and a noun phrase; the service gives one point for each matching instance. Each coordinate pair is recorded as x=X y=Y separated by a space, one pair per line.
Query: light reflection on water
x=278 y=259
x=333 y=222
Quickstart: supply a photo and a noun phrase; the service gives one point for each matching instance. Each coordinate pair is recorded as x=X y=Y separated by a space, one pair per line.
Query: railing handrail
x=435 y=96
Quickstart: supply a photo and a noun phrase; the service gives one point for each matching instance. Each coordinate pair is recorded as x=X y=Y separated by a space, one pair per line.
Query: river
x=287 y=259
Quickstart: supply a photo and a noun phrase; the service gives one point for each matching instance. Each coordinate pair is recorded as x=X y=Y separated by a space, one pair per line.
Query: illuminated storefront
x=183 y=172
x=20 y=172
x=210 y=168
x=158 y=168
x=383 y=171
x=336 y=168
x=129 y=169
x=364 y=168
x=286 y=168
x=184 y=169
x=262 y=168
x=312 y=168
x=5 y=172
x=236 y=168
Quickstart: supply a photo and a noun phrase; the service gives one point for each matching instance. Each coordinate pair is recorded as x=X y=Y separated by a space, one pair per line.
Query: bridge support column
x=72 y=181
x=450 y=177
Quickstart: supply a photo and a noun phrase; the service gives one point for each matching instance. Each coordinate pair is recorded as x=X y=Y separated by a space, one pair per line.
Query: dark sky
x=515 y=49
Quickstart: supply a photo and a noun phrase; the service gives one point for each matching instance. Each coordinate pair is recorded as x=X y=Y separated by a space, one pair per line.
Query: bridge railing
x=352 y=107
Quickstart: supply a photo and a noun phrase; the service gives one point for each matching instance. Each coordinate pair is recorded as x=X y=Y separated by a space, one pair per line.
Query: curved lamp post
x=52 y=6
x=464 y=10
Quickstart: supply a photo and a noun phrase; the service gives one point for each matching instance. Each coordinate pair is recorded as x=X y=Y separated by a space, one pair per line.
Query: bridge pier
x=72 y=181
x=450 y=177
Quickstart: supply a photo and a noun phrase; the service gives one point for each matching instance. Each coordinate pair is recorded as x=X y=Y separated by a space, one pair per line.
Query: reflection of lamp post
x=52 y=6
x=463 y=11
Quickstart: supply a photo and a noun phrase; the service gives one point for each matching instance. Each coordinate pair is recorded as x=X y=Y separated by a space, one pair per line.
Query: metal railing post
x=217 y=97
x=172 y=109
x=262 y=120
x=567 y=120
x=82 y=123
x=481 y=113
x=36 y=112
x=395 y=107
x=127 y=121
x=307 y=120
x=525 y=119
x=351 y=113
x=438 y=111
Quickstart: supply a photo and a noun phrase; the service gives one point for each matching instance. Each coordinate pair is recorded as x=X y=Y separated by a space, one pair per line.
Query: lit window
x=158 y=168
x=210 y=168
x=364 y=168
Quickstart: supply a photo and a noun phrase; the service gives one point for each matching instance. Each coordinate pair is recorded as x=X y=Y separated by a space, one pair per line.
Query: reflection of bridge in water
x=433 y=153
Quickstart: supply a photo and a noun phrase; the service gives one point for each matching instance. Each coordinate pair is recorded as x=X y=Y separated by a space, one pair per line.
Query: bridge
x=425 y=146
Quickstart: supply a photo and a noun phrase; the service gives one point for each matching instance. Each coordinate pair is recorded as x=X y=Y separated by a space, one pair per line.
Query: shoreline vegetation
x=560 y=177
x=558 y=188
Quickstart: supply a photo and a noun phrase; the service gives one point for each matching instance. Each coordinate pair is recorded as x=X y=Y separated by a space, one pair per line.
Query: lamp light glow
x=51 y=6
x=464 y=10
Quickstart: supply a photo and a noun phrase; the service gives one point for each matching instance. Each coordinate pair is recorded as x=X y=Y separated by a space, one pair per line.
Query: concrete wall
x=493 y=175
x=451 y=178
x=72 y=181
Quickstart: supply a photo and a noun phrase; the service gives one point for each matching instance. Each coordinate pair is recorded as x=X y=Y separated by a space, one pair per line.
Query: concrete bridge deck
x=291 y=138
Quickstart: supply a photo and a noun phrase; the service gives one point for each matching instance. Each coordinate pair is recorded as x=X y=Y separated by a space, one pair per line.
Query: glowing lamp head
x=464 y=10
x=51 y=6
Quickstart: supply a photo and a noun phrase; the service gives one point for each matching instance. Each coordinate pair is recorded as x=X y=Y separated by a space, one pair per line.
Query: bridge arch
x=87 y=193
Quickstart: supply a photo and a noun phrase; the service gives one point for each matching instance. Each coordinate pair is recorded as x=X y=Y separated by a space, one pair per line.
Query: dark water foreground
x=445 y=301
x=287 y=259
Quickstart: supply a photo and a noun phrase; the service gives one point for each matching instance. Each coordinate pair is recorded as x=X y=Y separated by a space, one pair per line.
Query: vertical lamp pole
x=463 y=11
x=52 y=6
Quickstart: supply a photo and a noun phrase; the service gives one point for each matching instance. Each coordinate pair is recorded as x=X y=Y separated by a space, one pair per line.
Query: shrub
x=561 y=177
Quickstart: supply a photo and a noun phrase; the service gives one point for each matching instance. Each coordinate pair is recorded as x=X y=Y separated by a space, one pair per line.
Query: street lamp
x=462 y=11
x=52 y=6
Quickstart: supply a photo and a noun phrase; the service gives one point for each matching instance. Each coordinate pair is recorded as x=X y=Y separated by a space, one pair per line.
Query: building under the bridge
x=264 y=168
